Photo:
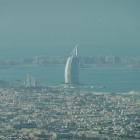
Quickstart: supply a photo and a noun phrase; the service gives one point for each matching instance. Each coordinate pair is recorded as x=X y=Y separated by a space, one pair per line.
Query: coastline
x=81 y=67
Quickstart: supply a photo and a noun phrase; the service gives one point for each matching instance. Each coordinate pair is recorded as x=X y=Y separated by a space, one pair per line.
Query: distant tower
x=72 y=68
x=30 y=81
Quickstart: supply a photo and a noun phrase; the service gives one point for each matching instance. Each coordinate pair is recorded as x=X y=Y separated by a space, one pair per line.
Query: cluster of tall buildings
x=30 y=81
x=71 y=73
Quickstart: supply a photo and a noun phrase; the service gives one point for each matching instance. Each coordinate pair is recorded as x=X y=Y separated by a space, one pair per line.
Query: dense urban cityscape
x=58 y=113
x=69 y=69
x=30 y=111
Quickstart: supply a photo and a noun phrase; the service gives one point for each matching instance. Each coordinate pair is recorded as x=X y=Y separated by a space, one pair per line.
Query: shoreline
x=63 y=66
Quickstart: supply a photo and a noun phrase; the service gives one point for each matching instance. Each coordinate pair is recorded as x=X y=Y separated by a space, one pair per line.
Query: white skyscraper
x=72 y=68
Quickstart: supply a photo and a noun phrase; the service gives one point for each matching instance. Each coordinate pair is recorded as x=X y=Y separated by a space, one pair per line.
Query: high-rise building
x=30 y=81
x=72 y=68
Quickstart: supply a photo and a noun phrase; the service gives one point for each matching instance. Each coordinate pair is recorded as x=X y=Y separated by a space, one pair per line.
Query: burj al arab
x=72 y=68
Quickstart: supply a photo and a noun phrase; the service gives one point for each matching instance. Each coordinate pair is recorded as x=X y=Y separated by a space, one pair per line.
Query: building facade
x=72 y=68
x=30 y=81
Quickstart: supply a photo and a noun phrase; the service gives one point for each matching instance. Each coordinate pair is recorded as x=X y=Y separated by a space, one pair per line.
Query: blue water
x=113 y=80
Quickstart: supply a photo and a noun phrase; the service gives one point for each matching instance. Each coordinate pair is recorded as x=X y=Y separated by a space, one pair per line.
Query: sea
x=94 y=79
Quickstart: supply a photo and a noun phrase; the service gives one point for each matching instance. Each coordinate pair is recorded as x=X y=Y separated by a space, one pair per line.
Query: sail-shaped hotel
x=72 y=68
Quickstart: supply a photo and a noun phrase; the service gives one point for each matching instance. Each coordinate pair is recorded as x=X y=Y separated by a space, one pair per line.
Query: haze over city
x=49 y=27
x=69 y=69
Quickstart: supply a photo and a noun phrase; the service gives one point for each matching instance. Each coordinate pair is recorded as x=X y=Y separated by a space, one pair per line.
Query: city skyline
x=46 y=92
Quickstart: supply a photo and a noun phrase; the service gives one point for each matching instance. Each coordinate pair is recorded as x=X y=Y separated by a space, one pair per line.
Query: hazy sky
x=53 y=27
